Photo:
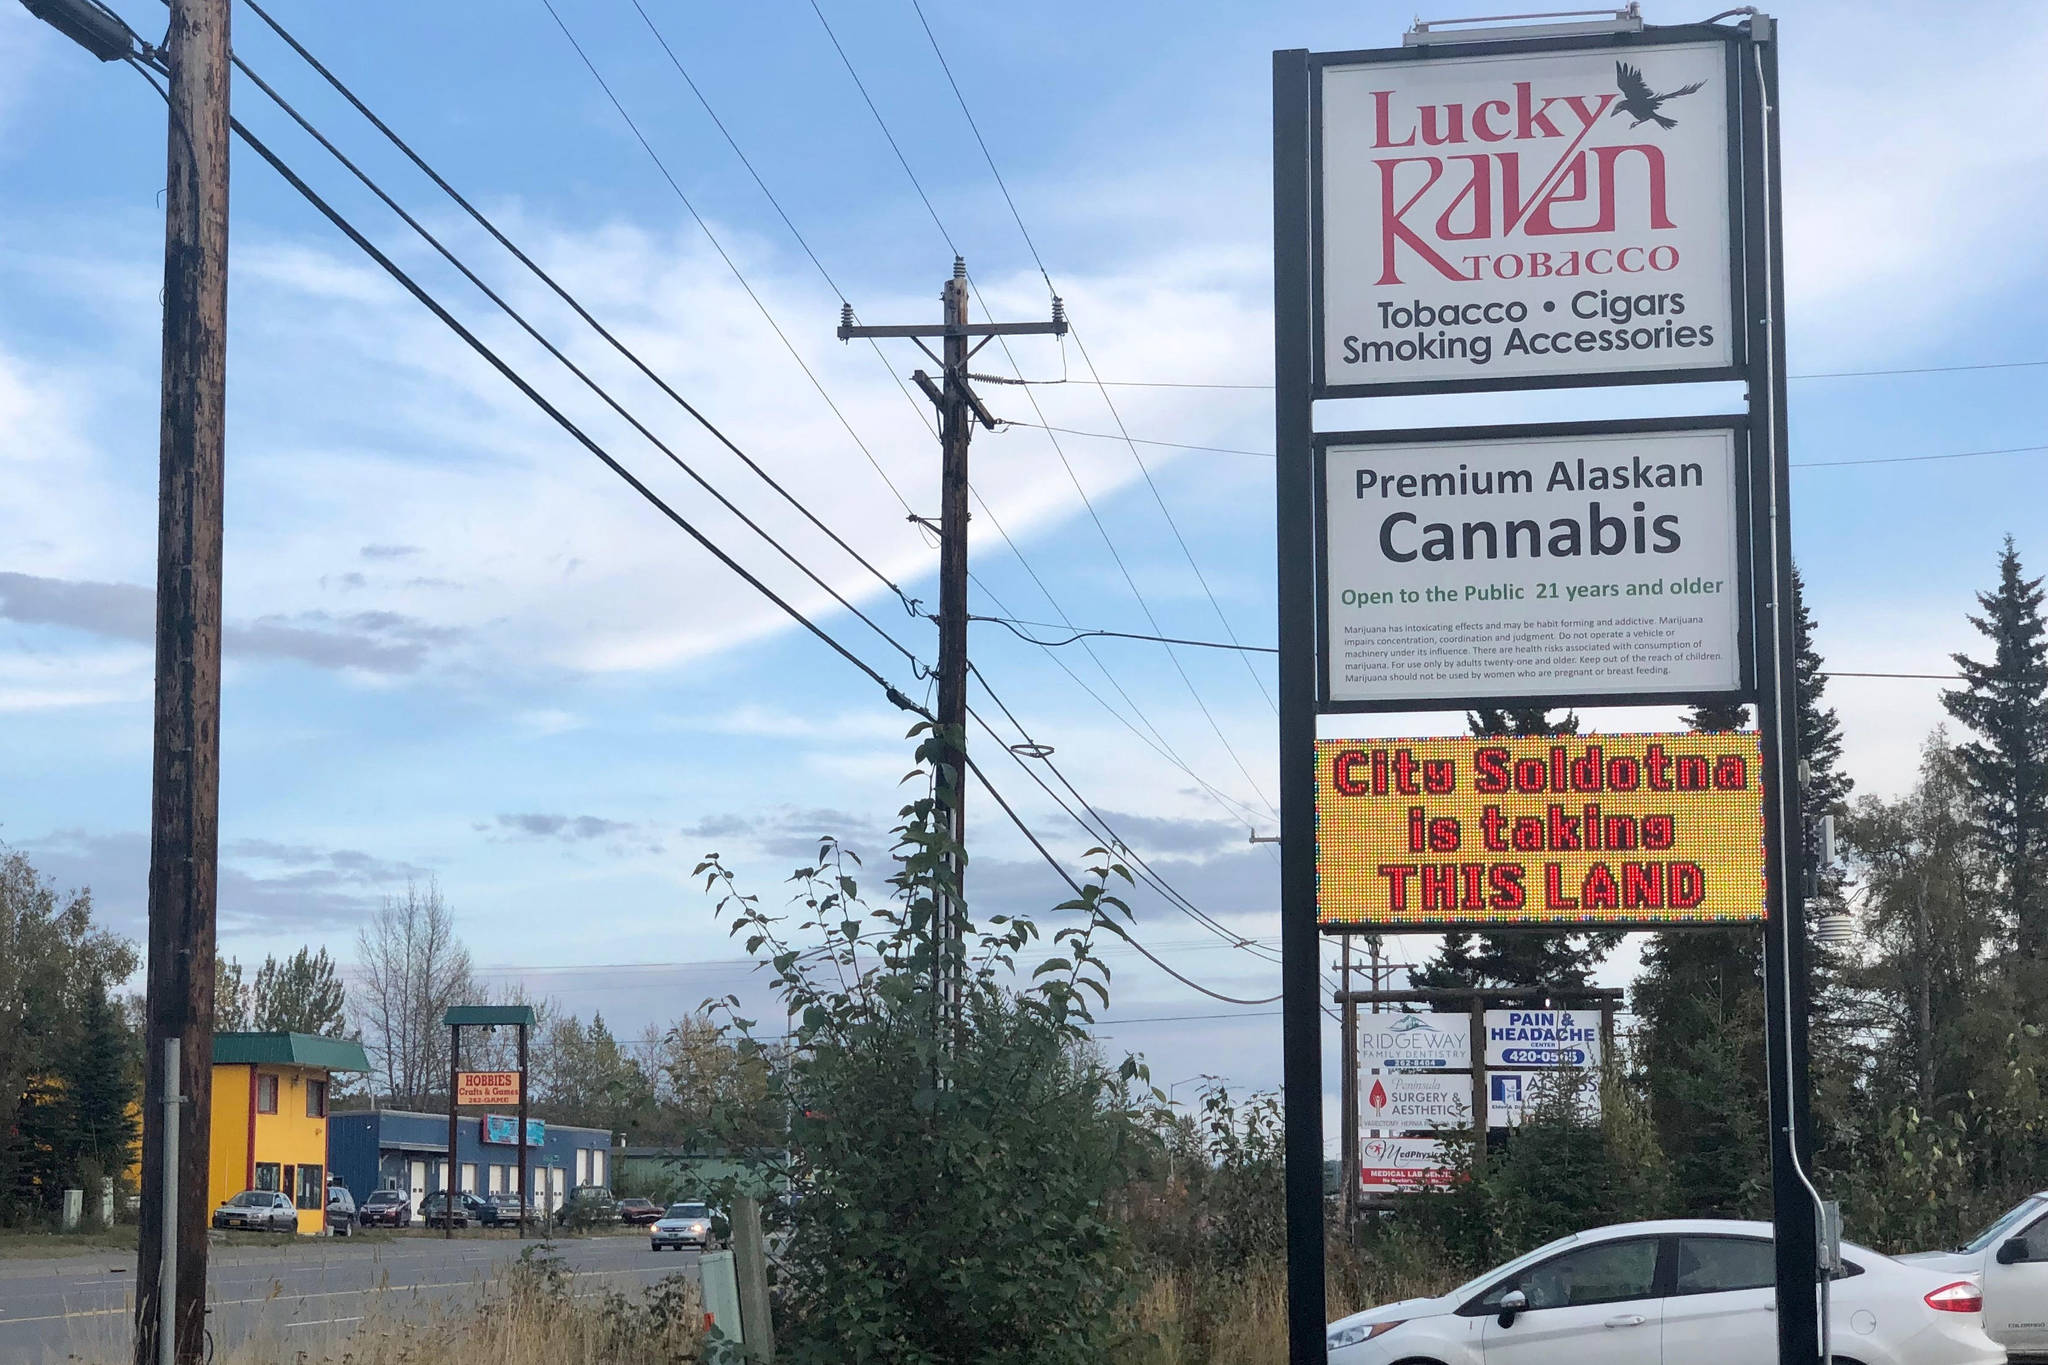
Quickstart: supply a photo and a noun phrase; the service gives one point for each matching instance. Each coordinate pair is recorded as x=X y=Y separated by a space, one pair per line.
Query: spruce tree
x=2006 y=767
x=100 y=1085
x=1524 y=957
x=302 y=994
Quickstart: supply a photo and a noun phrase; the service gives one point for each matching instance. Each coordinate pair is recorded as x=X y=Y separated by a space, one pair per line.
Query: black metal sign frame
x=1757 y=243
x=1736 y=425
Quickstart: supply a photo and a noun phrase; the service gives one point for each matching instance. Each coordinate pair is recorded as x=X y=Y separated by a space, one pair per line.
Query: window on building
x=266 y=1093
x=469 y=1176
x=268 y=1174
x=316 y=1099
x=312 y=1194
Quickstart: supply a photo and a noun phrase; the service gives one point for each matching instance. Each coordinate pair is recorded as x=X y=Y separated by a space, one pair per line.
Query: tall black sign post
x=1542 y=207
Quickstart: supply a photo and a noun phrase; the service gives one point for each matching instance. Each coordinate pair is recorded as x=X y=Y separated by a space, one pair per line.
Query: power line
x=1916 y=459
x=567 y=363
x=533 y=395
x=1013 y=625
x=939 y=222
x=1086 y=359
x=720 y=249
x=1796 y=464
x=833 y=285
x=1818 y=374
x=560 y=292
x=554 y=351
x=1112 y=436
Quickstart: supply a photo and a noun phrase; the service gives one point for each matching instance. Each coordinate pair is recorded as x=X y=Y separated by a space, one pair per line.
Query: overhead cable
x=1082 y=346
x=534 y=396
x=720 y=249
x=560 y=292
x=895 y=696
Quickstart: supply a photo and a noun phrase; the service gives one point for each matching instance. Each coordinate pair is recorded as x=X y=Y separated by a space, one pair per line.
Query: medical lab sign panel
x=1602 y=831
x=487 y=1087
x=1542 y=1038
x=1415 y=1042
x=1604 y=560
x=1497 y=220
x=1404 y=1164
x=1404 y=1101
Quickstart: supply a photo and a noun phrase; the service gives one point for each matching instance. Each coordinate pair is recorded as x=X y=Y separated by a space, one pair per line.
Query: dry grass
x=1241 y=1318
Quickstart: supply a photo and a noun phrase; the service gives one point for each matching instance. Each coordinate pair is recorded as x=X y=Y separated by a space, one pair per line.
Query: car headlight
x=1359 y=1332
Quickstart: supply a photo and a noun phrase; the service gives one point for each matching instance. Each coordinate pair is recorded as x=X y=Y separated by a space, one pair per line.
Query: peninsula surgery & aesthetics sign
x=1605 y=563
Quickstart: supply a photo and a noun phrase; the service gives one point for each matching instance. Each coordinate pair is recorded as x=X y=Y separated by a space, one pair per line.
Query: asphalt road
x=310 y=1292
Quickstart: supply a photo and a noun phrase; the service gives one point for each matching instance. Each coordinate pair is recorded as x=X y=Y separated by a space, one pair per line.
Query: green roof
x=467 y=1015
x=289 y=1049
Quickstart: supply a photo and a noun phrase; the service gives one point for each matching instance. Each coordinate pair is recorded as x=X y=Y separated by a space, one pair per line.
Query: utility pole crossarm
x=1056 y=328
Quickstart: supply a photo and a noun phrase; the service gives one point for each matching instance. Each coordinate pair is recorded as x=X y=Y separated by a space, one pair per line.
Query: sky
x=460 y=649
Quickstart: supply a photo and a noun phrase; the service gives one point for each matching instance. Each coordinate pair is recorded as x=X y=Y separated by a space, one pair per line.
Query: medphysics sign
x=1415 y=1042
x=1603 y=560
x=1404 y=1164
x=1609 y=831
x=1503 y=220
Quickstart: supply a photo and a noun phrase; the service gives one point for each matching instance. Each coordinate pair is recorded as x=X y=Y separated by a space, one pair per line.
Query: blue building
x=396 y=1149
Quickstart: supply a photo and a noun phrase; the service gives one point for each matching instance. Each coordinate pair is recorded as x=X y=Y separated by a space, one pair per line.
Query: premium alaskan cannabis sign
x=1600 y=560
x=1495 y=220
x=1603 y=831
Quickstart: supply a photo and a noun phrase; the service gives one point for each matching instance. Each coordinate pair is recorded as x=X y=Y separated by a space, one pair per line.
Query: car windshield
x=688 y=1211
x=387 y=1197
x=251 y=1199
x=2006 y=1223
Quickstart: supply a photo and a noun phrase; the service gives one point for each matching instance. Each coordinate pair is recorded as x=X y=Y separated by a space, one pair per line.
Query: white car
x=1680 y=1292
x=683 y=1225
x=2010 y=1259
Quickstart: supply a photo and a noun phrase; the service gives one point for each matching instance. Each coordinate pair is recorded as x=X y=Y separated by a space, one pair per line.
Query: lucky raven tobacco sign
x=1495 y=220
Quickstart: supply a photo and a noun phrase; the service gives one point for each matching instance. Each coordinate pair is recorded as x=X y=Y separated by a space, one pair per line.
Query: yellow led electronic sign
x=1606 y=830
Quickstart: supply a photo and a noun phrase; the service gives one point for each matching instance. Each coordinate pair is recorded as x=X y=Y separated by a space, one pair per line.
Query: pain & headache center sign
x=1588 y=831
x=1602 y=563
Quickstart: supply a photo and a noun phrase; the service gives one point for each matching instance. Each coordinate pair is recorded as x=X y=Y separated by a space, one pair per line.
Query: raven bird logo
x=1639 y=103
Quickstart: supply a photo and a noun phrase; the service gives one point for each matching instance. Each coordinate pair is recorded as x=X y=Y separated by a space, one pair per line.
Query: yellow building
x=270 y=1094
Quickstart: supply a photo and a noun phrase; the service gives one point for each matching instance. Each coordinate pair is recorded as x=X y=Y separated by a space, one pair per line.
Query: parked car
x=468 y=1209
x=258 y=1211
x=501 y=1210
x=692 y=1225
x=1683 y=1291
x=2010 y=1259
x=590 y=1206
x=341 y=1211
x=389 y=1208
x=639 y=1212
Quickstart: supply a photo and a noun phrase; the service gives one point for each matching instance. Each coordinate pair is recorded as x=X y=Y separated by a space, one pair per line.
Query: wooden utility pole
x=959 y=408
x=1348 y=1127
x=185 y=783
x=454 y=1089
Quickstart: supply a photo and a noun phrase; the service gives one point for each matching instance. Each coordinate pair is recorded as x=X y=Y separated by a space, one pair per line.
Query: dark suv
x=388 y=1208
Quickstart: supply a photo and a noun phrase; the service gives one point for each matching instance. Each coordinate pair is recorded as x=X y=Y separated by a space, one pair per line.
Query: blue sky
x=459 y=648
